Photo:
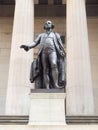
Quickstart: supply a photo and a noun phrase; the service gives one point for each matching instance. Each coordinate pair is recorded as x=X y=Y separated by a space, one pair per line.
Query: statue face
x=48 y=25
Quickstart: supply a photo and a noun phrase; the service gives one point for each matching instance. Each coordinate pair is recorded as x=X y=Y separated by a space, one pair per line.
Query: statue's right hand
x=25 y=47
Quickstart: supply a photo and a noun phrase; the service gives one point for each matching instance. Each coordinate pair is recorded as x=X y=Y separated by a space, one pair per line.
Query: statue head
x=48 y=25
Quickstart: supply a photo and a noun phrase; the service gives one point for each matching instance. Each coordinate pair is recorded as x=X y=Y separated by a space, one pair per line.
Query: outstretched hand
x=25 y=47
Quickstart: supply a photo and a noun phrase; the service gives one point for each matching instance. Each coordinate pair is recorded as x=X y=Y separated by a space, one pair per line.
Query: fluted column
x=79 y=83
x=17 y=100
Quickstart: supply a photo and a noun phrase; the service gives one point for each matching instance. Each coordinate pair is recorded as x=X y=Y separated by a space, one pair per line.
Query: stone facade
x=6 y=25
x=5 y=46
x=15 y=88
x=93 y=45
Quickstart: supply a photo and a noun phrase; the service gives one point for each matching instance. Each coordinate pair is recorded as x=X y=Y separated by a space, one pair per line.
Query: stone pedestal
x=47 y=109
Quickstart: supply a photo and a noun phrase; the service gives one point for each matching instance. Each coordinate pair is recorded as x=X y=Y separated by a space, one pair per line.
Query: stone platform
x=47 y=107
x=42 y=127
x=47 y=90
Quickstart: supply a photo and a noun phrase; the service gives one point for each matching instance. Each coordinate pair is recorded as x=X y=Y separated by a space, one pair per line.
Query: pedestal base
x=47 y=109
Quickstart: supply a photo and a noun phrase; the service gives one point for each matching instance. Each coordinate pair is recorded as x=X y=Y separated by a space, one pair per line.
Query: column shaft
x=79 y=82
x=17 y=101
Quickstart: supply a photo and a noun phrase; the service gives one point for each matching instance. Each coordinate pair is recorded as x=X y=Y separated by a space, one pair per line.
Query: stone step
x=19 y=120
x=57 y=127
x=82 y=119
x=23 y=120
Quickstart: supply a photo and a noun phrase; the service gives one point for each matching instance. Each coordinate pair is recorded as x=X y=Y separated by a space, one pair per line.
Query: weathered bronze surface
x=48 y=70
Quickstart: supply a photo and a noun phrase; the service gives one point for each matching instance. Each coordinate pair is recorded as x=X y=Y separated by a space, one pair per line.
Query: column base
x=47 y=109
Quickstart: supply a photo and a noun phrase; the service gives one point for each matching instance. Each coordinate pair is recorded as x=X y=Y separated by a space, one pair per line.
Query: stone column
x=17 y=100
x=79 y=83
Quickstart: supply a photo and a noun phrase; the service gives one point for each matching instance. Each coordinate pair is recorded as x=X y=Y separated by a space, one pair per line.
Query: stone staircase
x=73 y=123
x=14 y=120
x=46 y=127
x=71 y=120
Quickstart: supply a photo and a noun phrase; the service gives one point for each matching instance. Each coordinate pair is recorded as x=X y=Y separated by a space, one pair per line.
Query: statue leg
x=45 y=71
x=54 y=69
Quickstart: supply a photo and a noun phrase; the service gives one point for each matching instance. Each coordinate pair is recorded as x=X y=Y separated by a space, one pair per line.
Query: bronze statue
x=50 y=65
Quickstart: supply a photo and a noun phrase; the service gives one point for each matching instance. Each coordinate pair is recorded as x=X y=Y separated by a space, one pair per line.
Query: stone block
x=47 y=109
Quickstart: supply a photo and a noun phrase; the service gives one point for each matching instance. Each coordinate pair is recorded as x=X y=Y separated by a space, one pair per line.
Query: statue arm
x=59 y=40
x=35 y=43
x=60 y=44
x=31 y=45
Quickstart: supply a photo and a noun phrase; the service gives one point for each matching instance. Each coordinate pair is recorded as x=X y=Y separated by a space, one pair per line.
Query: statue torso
x=47 y=41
